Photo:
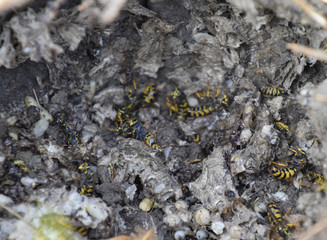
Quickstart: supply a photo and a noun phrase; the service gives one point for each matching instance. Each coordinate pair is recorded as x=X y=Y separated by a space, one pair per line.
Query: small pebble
x=130 y=192
x=159 y=188
x=280 y=196
x=260 y=207
x=5 y=200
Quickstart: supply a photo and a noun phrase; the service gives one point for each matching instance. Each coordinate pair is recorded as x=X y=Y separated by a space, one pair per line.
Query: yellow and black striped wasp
x=282 y=171
x=277 y=222
x=68 y=130
x=140 y=133
x=86 y=190
x=127 y=123
x=273 y=92
x=284 y=128
x=314 y=180
x=177 y=102
x=149 y=93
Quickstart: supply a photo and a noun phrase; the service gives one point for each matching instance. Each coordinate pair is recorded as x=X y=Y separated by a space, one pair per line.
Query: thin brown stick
x=307 y=51
x=193 y=161
x=16 y=215
x=112 y=10
x=320 y=97
x=11 y=4
x=148 y=235
x=311 y=12
x=314 y=230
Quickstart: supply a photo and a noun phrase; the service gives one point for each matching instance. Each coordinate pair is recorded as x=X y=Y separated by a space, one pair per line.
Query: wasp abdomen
x=283 y=173
x=272 y=92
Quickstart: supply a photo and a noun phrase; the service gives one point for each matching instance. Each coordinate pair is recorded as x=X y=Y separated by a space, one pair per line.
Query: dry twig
x=314 y=230
x=311 y=12
x=309 y=52
x=11 y=4
x=111 y=10
x=320 y=97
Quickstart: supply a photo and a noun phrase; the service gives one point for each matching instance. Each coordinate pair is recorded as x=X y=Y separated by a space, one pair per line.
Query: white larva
x=202 y=216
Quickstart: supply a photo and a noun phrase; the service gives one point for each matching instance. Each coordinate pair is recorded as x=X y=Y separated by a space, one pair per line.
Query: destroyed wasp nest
x=187 y=112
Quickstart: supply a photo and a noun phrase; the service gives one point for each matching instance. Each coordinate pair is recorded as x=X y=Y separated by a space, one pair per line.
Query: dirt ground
x=70 y=169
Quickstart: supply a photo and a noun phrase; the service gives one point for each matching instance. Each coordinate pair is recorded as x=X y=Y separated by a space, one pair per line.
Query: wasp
x=149 y=93
x=276 y=221
x=78 y=226
x=177 y=102
x=176 y=94
x=196 y=138
x=150 y=141
x=87 y=190
x=148 y=96
x=282 y=126
x=138 y=132
x=86 y=168
x=287 y=172
x=300 y=158
x=112 y=169
x=298 y=163
x=131 y=94
x=210 y=11
x=284 y=173
x=123 y=115
x=238 y=205
x=318 y=181
x=200 y=111
x=59 y=225
x=273 y=92
x=182 y=111
x=205 y=94
x=128 y=125
x=314 y=180
x=173 y=106
x=21 y=164
x=316 y=177
x=224 y=101
x=69 y=131
x=197 y=111
x=123 y=121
